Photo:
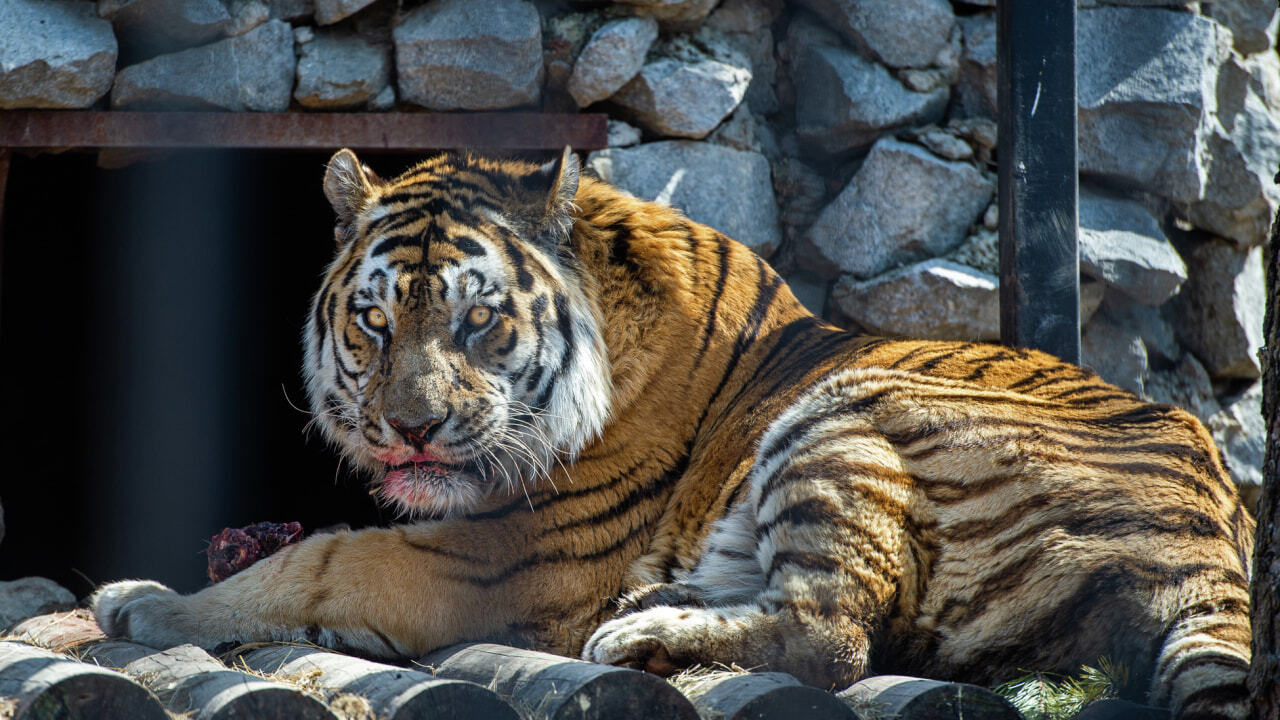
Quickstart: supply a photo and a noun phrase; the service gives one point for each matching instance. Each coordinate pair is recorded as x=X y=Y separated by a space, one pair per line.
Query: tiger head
x=454 y=349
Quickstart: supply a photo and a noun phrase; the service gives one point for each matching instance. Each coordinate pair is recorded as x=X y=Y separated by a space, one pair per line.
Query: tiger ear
x=559 y=180
x=347 y=184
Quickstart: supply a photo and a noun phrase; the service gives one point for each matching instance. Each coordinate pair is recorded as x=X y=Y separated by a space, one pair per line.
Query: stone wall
x=849 y=141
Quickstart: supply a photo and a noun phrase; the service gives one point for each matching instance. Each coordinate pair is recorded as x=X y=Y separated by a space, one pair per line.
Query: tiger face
x=453 y=349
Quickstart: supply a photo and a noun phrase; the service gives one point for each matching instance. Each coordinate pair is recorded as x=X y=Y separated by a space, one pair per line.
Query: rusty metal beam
x=301 y=131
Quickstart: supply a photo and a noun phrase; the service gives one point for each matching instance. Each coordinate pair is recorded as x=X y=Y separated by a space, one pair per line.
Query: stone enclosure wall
x=850 y=142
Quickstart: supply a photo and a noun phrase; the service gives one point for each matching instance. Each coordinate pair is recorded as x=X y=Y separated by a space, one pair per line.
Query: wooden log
x=542 y=686
x=60 y=632
x=394 y=693
x=188 y=679
x=764 y=696
x=1115 y=709
x=185 y=678
x=909 y=698
x=40 y=684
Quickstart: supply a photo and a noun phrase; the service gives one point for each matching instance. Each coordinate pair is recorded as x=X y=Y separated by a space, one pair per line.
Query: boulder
x=691 y=85
x=195 y=79
x=1115 y=353
x=65 y=57
x=613 y=55
x=1252 y=22
x=464 y=55
x=904 y=204
x=675 y=14
x=1241 y=196
x=1219 y=311
x=898 y=33
x=1241 y=434
x=976 y=86
x=328 y=12
x=1187 y=385
x=809 y=289
x=745 y=25
x=1152 y=324
x=697 y=178
x=31 y=596
x=1146 y=81
x=1121 y=243
x=246 y=15
x=563 y=37
x=339 y=70
x=844 y=101
x=935 y=299
x=152 y=27
x=621 y=134
x=300 y=10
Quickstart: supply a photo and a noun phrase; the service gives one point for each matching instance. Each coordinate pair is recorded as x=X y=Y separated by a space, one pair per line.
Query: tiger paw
x=660 y=640
x=145 y=612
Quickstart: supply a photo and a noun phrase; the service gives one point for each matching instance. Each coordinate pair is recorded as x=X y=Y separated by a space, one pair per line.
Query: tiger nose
x=417 y=433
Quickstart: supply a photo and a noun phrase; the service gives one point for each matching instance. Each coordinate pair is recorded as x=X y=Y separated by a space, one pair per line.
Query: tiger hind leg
x=815 y=552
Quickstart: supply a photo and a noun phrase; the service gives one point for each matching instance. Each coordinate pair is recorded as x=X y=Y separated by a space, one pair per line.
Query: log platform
x=61 y=666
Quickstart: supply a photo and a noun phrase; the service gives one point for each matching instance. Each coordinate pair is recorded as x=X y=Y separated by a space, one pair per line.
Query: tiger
x=614 y=433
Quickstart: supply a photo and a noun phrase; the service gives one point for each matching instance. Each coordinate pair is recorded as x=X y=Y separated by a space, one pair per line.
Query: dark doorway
x=149 y=330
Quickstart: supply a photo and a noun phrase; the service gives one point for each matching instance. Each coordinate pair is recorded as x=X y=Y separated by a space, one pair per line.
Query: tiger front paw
x=660 y=640
x=145 y=612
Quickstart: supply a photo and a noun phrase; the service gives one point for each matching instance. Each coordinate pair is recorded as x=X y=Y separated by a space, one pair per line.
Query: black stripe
x=722 y=255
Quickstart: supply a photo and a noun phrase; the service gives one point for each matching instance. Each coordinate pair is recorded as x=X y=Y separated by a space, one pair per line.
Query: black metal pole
x=1039 y=265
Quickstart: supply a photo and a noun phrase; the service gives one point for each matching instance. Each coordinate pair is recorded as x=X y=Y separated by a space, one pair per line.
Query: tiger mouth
x=420 y=483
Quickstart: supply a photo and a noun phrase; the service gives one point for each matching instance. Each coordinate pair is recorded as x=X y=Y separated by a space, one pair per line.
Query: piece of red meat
x=235 y=549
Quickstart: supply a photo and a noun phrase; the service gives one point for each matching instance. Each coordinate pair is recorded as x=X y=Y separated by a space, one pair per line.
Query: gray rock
x=697 y=178
x=738 y=132
x=1186 y=385
x=65 y=56
x=621 y=134
x=942 y=143
x=904 y=204
x=844 y=101
x=1145 y=82
x=1241 y=434
x=980 y=251
x=758 y=48
x=195 y=78
x=613 y=55
x=691 y=86
x=1091 y=294
x=800 y=190
x=300 y=10
x=328 y=12
x=464 y=55
x=164 y=26
x=1252 y=22
x=676 y=14
x=744 y=16
x=339 y=70
x=1116 y=354
x=1122 y=244
x=385 y=100
x=31 y=596
x=1152 y=324
x=1241 y=196
x=809 y=289
x=936 y=299
x=976 y=86
x=246 y=15
x=1219 y=311
x=898 y=33
x=563 y=37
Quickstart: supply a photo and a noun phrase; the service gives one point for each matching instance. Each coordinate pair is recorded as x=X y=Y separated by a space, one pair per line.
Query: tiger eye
x=375 y=318
x=478 y=316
